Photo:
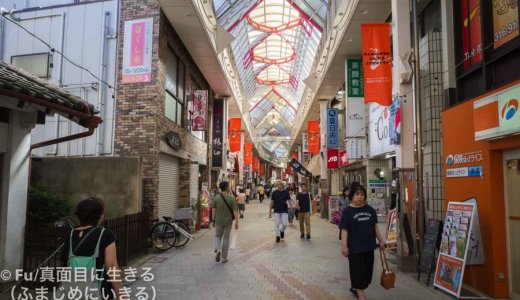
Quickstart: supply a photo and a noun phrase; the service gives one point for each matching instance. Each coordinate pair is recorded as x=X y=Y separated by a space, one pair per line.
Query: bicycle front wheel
x=163 y=236
x=182 y=239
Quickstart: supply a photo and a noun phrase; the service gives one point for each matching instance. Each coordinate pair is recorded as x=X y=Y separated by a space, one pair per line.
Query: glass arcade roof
x=274 y=49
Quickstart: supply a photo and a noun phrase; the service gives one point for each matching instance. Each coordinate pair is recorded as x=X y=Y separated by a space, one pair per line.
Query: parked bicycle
x=170 y=233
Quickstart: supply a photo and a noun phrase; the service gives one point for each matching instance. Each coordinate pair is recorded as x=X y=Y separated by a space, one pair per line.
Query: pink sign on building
x=137 y=51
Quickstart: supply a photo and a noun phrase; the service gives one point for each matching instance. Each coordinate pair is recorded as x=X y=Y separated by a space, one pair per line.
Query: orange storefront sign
x=248 y=154
x=235 y=127
x=377 y=63
x=313 y=131
x=255 y=164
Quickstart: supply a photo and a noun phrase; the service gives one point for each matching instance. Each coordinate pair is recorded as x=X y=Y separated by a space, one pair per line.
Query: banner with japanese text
x=377 y=63
x=332 y=128
x=313 y=132
x=235 y=127
x=217 y=151
x=248 y=154
x=255 y=164
x=137 y=51
x=198 y=115
x=305 y=142
x=354 y=78
x=296 y=165
x=262 y=169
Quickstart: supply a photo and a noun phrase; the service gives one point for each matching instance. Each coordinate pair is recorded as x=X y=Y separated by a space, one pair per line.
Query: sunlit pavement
x=260 y=268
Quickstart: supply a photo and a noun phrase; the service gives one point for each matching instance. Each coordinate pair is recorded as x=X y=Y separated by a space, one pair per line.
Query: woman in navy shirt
x=358 y=236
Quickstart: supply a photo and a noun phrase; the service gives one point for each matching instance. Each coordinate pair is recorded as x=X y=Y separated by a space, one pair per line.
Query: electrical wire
x=53 y=50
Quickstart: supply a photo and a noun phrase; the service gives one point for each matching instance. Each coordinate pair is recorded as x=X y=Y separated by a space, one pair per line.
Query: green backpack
x=84 y=277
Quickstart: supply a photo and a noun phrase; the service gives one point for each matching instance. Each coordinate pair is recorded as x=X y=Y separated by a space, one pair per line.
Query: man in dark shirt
x=279 y=200
x=303 y=205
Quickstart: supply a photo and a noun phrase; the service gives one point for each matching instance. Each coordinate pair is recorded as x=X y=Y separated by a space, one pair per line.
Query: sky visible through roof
x=274 y=49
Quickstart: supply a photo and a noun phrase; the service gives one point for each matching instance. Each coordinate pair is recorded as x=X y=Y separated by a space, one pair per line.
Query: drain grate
x=157 y=259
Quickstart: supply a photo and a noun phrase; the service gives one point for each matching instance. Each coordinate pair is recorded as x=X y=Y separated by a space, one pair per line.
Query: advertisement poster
x=248 y=154
x=137 y=51
x=391 y=228
x=198 y=115
x=476 y=254
x=313 y=131
x=332 y=128
x=505 y=21
x=354 y=78
x=217 y=144
x=256 y=163
x=235 y=127
x=355 y=114
x=356 y=148
x=332 y=158
x=395 y=122
x=377 y=63
x=453 y=250
x=471 y=32
x=379 y=135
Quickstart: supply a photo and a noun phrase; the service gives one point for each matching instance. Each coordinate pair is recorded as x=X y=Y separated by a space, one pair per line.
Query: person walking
x=241 y=201
x=303 y=205
x=90 y=237
x=278 y=203
x=248 y=194
x=358 y=237
x=292 y=206
x=261 y=192
x=225 y=210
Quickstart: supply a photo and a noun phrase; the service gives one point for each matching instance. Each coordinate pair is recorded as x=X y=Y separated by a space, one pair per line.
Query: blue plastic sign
x=332 y=128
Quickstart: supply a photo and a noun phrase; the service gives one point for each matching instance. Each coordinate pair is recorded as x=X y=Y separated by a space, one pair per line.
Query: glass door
x=512 y=179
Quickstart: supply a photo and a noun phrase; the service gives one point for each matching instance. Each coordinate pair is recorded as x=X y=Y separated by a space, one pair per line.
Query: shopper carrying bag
x=387 y=276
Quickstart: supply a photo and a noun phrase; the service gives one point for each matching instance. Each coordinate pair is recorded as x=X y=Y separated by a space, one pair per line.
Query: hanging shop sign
x=235 y=127
x=497 y=114
x=354 y=78
x=296 y=165
x=217 y=141
x=391 y=228
x=455 y=239
x=505 y=21
x=248 y=154
x=377 y=63
x=174 y=140
x=198 y=115
x=471 y=32
x=305 y=143
x=343 y=158
x=379 y=134
x=313 y=131
x=262 y=169
x=332 y=128
x=395 y=122
x=430 y=245
x=355 y=118
x=356 y=148
x=332 y=158
x=137 y=51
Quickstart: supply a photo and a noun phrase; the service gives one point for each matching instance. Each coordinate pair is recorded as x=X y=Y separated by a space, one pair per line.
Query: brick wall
x=140 y=120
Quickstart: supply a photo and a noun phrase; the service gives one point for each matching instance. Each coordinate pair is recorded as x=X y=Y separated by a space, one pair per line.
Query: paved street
x=259 y=268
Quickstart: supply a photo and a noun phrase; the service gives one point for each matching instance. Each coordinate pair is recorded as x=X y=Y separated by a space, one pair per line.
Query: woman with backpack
x=89 y=243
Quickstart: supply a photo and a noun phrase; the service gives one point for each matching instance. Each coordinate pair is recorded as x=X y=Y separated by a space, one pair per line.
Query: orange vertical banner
x=295 y=155
x=313 y=132
x=377 y=63
x=262 y=169
x=248 y=154
x=235 y=127
x=255 y=164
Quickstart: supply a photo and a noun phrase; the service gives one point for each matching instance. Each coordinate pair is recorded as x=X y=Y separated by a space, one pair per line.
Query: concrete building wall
x=116 y=180
x=77 y=31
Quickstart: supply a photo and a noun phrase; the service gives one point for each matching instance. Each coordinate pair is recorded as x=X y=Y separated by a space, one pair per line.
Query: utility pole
x=418 y=130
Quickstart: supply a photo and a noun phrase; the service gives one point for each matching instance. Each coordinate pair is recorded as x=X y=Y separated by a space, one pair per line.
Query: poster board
x=391 y=228
x=430 y=245
x=476 y=255
x=453 y=250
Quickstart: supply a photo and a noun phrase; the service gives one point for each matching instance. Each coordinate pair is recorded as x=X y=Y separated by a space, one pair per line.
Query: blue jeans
x=291 y=214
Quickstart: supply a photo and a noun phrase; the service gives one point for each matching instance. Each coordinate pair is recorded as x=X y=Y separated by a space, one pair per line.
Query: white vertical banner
x=355 y=117
x=305 y=142
x=379 y=135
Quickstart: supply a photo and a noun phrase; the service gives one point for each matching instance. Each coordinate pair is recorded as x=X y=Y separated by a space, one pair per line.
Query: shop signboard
x=470 y=19
x=332 y=128
x=217 y=144
x=356 y=148
x=354 y=77
x=137 y=51
x=332 y=158
x=379 y=135
x=476 y=254
x=431 y=241
x=343 y=158
x=313 y=130
x=505 y=21
x=198 y=114
x=305 y=143
x=235 y=127
x=355 y=118
x=395 y=122
x=453 y=252
x=248 y=154
x=497 y=114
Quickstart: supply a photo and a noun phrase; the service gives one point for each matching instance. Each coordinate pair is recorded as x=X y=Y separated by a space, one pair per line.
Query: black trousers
x=361 y=268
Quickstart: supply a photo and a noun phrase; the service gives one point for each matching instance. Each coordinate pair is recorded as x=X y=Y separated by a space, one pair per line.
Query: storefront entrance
x=512 y=178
